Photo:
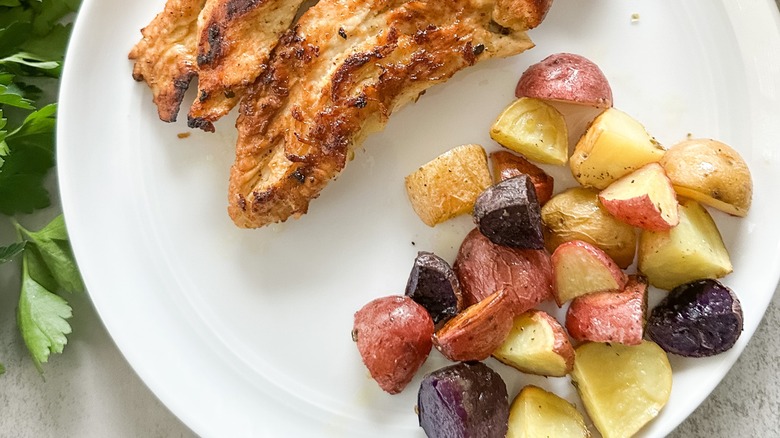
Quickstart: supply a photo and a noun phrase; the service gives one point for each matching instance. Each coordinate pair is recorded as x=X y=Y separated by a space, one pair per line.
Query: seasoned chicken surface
x=235 y=39
x=165 y=56
x=339 y=74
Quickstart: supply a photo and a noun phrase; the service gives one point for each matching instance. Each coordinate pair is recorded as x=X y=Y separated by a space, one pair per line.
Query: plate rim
x=66 y=175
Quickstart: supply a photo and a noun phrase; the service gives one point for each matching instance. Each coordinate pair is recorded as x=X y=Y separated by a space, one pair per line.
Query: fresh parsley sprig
x=33 y=38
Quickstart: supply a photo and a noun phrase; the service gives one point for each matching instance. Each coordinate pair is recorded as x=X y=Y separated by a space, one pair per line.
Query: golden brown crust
x=235 y=38
x=337 y=76
x=165 y=55
x=521 y=14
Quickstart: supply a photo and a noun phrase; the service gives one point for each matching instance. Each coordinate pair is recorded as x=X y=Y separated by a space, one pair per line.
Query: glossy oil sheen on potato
x=448 y=185
x=566 y=77
x=712 y=173
x=393 y=336
x=484 y=267
x=576 y=214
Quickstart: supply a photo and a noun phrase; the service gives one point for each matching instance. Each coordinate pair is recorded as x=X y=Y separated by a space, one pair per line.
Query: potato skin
x=477 y=331
x=570 y=261
x=697 y=319
x=566 y=77
x=610 y=316
x=712 y=173
x=644 y=198
x=483 y=267
x=576 y=214
x=508 y=213
x=434 y=285
x=393 y=335
x=508 y=165
x=467 y=399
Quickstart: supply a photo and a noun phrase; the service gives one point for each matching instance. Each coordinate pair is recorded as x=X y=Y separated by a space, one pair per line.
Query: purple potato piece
x=697 y=319
x=509 y=214
x=465 y=400
x=434 y=285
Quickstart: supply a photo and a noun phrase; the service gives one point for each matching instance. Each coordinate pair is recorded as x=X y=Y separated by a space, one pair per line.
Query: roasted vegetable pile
x=633 y=225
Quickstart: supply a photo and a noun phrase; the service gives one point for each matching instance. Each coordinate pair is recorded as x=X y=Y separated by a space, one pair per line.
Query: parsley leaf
x=33 y=37
x=57 y=255
x=50 y=46
x=11 y=95
x=28 y=159
x=31 y=64
x=41 y=316
x=47 y=267
x=3 y=146
x=7 y=253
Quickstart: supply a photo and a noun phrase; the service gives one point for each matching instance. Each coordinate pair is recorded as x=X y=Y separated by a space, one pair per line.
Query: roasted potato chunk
x=580 y=268
x=449 y=185
x=534 y=129
x=508 y=213
x=614 y=145
x=508 y=165
x=434 y=285
x=483 y=267
x=690 y=251
x=576 y=214
x=474 y=333
x=467 y=399
x=536 y=413
x=623 y=387
x=644 y=198
x=697 y=319
x=566 y=77
x=537 y=344
x=712 y=173
x=610 y=316
x=393 y=336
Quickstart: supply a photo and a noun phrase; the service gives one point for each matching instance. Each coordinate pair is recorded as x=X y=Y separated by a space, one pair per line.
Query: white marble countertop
x=91 y=391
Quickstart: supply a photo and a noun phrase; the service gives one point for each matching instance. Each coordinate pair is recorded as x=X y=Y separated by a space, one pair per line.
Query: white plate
x=247 y=333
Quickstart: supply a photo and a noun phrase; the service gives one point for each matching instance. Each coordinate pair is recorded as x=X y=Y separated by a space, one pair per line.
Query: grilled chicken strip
x=235 y=39
x=339 y=74
x=165 y=56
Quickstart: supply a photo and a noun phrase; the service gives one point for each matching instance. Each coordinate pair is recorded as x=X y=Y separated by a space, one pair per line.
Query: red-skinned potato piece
x=580 y=268
x=566 y=77
x=393 y=335
x=508 y=165
x=483 y=267
x=644 y=198
x=610 y=316
x=473 y=334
